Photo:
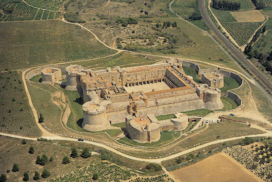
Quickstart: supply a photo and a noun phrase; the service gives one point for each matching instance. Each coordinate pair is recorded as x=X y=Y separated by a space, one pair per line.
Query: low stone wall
x=33 y=73
x=234 y=97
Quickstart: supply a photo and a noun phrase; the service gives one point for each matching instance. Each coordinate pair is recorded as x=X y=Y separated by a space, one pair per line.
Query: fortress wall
x=234 y=97
x=33 y=73
x=119 y=117
x=155 y=134
x=172 y=77
x=140 y=136
x=48 y=78
x=237 y=78
x=191 y=65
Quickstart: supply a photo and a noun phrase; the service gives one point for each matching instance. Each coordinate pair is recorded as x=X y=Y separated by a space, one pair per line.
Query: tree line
x=258 y=4
x=225 y=5
x=265 y=60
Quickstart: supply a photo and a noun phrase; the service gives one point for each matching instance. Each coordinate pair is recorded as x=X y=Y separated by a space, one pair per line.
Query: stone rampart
x=191 y=65
x=234 y=97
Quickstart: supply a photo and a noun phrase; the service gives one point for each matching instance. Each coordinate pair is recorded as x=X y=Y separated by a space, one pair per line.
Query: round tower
x=212 y=99
x=95 y=117
x=51 y=75
x=214 y=80
x=181 y=122
x=71 y=76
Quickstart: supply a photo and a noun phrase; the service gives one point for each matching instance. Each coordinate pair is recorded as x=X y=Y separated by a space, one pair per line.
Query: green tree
x=23 y=141
x=85 y=153
x=15 y=167
x=3 y=178
x=44 y=160
x=36 y=177
x=74 y=153
x=26 y=177
x=38 y=160
x=51 y=159
x=45 y=173
x=31 y=150
x=95 y=176
x=41 y=119
x=65 y=160
x=174 y=24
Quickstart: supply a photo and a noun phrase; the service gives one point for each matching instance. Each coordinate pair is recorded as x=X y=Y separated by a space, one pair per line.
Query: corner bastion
x=72 y=76
x=142 y=129
x=210 y=96
x=95 y=118
x=214 y=80
x=180 y=121
x=51 y=75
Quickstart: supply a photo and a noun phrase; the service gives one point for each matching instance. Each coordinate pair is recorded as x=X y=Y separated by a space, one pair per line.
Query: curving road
x=237 y=53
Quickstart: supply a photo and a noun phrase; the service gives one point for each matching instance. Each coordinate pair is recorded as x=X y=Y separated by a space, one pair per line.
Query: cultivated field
x=19 y=11
x=16 y=115
x=53 y=5
x=268 y=3
x=248 y=16
x=26 y=44
x=240 y=31
x=219 y=167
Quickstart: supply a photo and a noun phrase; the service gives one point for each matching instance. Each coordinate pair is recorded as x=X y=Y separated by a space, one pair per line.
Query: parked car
x=80 y=139
x=232 y=114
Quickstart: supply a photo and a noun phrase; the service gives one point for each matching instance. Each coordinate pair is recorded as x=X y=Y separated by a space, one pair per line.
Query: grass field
x=229 y=84
x=219 y=167
x=16 y=115
x=220 y=131
x=25 y=44
x=166 y=137
x=263 y=45
x=9 y=155
x=240 y=31
x=123 y=59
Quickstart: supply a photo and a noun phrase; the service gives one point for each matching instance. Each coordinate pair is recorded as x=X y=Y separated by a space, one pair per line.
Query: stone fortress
x=135 y=94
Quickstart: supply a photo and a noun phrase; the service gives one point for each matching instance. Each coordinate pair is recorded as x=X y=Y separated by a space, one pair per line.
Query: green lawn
x=36 y=78
x=199 y=112
x=164 y=117
x=229 y=84
x=193 y=73
x=121 y=125
x=166 y=137
x=229 y=104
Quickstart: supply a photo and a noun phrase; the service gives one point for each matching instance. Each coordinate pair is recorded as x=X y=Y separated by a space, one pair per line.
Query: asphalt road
x=237 y=53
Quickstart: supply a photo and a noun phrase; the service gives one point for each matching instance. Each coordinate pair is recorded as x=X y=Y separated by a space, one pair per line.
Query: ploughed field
x=219 y=167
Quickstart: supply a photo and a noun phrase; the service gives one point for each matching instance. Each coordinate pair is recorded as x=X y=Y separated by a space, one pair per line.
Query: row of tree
x=225 y=5
x=126 y=21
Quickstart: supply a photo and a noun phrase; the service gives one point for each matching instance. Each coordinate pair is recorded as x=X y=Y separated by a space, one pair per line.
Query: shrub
x=26 y=177
x=65 y=160
x=31 y=150
x=41 y=119
x=85 y=153
x=74 y=153
x=36 y=176
x=51 y=159
x=153 y=167
x=45 y=173
x=3 y=178
x=95 y=176
x=23 y=141
x=15 y=167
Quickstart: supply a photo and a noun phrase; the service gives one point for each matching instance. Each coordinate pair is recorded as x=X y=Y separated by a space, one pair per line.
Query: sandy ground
x=148 y=87
x=248 y=16
x=219 y=167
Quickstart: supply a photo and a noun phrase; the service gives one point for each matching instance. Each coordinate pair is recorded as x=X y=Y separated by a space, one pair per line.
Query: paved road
x=231 y=47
